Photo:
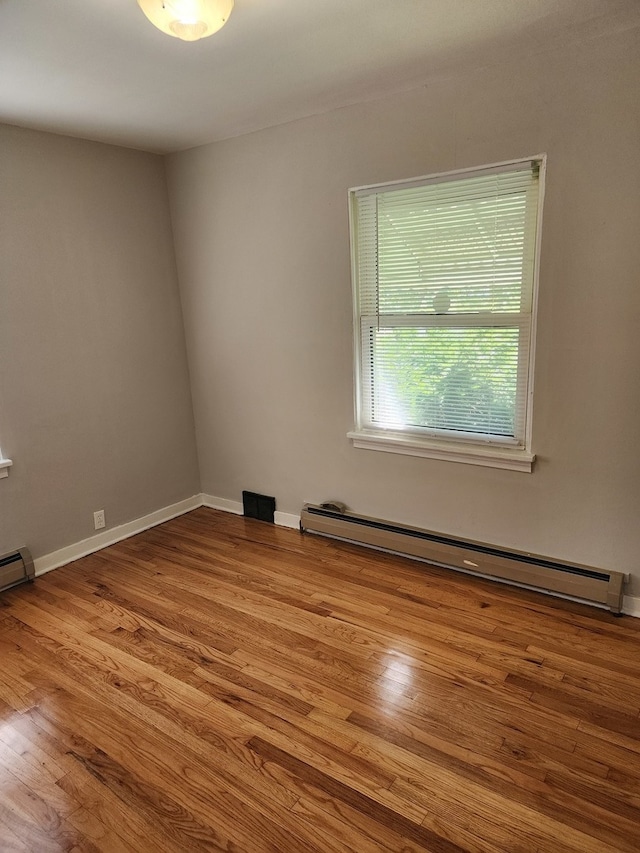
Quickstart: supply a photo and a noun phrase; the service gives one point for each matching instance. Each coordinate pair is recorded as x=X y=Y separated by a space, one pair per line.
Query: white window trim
x=490 y=453
x=472 y=454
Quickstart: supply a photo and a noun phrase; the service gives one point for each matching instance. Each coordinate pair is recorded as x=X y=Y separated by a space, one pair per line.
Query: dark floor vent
x=258 y=506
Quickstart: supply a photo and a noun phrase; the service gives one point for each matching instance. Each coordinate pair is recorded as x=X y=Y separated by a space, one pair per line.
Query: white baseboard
x=221 y=503
x=110 y=537
x=287 y=519
x=631 y=605
x=102 y=540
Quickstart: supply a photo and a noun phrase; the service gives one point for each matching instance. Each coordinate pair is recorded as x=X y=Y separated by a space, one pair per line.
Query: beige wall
x=263 y=257
x=95 y=407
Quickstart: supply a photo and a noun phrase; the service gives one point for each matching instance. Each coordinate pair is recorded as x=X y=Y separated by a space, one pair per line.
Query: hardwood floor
x=222 y=684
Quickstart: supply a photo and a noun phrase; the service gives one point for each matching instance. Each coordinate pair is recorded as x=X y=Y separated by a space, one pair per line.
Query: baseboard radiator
x=15 y=568
x=591 y=585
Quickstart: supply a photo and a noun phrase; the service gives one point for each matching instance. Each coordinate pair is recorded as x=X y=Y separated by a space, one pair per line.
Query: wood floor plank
x=217 y=683
x=114 y=814
x=95 y=831
x=361 y=802
x=538 y=804
x=15 y=691
x=36 y=779
x=208 y=734
x=34 y=819
x=370 y=837
x=570 y=700
x=11 y=842
x=163 y=783
x=218 y=762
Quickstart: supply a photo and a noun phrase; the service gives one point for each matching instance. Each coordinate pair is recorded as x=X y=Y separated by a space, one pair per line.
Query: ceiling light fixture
x=188 y=20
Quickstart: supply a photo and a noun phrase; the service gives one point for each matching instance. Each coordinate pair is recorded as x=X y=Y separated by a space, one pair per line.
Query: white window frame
x=492 y=451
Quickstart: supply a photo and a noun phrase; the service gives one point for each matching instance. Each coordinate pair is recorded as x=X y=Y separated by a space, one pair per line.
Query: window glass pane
x=457 y=256
x=461 y=379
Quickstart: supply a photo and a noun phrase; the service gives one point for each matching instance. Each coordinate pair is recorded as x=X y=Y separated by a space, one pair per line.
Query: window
x=444 y=272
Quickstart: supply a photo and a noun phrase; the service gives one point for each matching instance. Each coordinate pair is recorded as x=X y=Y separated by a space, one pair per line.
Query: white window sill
x=5 y=464
x=489 y=455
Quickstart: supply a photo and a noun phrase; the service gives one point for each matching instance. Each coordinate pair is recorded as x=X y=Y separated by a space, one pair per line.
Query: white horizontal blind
x=444 y=283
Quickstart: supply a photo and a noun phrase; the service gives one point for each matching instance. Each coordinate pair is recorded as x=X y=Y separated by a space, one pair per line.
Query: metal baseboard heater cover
x=16 y=567
x=552 y=576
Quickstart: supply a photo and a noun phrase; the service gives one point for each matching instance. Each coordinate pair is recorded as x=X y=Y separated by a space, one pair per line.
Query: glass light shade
x=188 y=20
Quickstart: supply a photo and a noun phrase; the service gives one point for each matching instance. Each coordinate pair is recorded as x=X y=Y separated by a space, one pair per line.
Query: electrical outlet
x=98 y=519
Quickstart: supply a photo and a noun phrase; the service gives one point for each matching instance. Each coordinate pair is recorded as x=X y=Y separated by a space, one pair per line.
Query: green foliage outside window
x=446 y=378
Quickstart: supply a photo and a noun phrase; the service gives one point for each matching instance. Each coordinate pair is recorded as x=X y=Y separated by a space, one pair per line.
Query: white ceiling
x=98 y=69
